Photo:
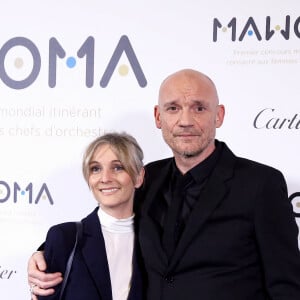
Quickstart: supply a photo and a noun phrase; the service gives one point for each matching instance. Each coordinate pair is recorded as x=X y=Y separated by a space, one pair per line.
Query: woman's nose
x=105 y=176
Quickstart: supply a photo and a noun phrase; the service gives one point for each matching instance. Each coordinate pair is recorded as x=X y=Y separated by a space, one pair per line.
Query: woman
x=106 y=264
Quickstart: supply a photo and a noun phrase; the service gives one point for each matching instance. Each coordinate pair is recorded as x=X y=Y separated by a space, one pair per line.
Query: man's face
x=188 y=115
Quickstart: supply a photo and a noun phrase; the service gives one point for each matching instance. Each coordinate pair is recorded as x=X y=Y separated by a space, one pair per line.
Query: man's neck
x=186 y=163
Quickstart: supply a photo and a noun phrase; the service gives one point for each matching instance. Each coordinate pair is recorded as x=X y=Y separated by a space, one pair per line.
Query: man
x=212 y=226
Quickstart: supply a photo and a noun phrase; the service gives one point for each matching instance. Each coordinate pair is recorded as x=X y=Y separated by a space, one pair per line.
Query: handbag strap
x=70 y=259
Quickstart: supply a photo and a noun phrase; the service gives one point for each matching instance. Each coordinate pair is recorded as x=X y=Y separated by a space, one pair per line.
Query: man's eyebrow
x=171 y=102
x=194 y=101
x=201 y=101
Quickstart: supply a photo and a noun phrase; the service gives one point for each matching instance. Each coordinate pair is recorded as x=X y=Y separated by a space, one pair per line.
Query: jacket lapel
x=93 y=251
x=154 y=198
x=212 y=195
x=151 y=222
x=137 y=279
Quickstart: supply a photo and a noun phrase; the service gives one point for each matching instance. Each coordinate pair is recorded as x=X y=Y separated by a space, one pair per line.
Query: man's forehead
x=186 y=87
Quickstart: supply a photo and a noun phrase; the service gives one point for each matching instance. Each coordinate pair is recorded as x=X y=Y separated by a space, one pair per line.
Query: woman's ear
x=140 y=178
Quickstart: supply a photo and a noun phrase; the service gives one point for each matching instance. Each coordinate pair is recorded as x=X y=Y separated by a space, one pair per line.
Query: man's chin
x=190 y=154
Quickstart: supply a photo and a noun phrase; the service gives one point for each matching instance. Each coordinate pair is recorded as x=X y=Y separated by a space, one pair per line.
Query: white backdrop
x=53 y=56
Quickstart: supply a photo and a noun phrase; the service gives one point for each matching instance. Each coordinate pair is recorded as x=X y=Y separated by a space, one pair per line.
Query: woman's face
x=111 y=185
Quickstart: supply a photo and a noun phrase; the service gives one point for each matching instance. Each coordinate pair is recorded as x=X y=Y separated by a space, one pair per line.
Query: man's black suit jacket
x=240 y=241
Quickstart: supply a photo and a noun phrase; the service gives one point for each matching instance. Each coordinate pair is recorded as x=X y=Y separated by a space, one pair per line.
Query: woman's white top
x=119 y=240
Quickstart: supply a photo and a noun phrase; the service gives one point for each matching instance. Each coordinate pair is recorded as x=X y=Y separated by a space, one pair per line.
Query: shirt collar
x=204 y=168
x=112 y=224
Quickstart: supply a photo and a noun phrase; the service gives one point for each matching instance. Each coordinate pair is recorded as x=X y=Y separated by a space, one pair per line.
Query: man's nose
x=185 y=118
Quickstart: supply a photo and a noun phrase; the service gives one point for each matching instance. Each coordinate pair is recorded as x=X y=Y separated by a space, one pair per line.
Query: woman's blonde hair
x=125 y=147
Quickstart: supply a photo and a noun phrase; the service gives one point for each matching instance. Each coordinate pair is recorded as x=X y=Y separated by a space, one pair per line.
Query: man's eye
x=200 y=108
x=172 y=108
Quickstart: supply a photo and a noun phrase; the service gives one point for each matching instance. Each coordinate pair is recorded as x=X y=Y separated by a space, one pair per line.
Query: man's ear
x=157 y=116
x=220 y=115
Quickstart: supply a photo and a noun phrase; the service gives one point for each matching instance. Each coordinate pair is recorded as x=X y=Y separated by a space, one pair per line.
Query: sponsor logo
x=86 y=52
x=30 y=193
x=292 y=198
x=6 y=273
x=269 y=118
x=238 y=30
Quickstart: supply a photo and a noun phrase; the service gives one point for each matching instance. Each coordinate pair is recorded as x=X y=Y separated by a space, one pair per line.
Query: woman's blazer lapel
x=94 y=254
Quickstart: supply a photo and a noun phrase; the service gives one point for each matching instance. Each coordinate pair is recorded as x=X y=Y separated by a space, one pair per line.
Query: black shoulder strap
x=70 y=259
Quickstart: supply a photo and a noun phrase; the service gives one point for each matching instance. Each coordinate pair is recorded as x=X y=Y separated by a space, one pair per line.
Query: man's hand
x=41 y=283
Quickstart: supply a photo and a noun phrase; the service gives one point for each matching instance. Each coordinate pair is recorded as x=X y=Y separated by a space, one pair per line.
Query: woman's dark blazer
x=89 y=278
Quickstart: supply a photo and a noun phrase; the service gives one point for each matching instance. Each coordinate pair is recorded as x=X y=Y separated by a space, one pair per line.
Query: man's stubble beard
x=192 y=154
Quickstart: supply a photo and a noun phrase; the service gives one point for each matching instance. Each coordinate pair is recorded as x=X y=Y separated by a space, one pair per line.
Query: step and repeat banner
x=72 y=70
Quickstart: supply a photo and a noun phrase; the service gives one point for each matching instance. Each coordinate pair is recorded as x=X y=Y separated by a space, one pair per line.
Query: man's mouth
x=186 y=135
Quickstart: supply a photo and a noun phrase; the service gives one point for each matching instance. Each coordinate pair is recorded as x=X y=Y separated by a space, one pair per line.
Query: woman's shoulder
x=65 y=229
x=61 y=236
x=59 y=244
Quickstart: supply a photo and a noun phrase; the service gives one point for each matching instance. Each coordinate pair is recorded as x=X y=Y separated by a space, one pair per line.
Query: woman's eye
x=118 y=168
x=95 y=169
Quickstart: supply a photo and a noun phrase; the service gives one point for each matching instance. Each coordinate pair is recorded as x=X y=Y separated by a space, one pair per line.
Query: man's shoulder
x=154 y=167
x=257 y=168
x=243 y=162
x=158 y=163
